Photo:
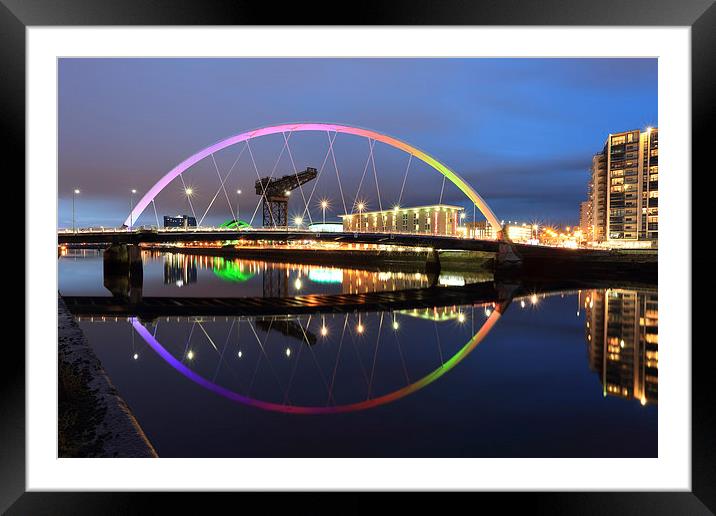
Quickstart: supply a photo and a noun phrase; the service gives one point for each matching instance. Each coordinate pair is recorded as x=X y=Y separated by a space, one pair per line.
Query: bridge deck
x=397 y=239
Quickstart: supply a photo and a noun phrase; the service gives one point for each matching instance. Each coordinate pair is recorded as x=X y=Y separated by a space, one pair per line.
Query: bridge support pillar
x=123 y=272
x=506 y=256
x=432 y=266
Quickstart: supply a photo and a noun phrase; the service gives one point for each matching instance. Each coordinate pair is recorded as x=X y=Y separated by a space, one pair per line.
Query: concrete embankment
x=93 y=420
x=368 y=259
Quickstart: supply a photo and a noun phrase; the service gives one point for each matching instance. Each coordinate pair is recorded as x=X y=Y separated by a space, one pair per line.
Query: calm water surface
x=573 y=374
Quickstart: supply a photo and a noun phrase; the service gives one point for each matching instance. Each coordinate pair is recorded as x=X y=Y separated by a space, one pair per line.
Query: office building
x=180 y=221
x=483 y=230
x=437 y=219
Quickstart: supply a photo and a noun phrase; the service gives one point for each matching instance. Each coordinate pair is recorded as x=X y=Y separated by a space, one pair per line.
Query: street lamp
x=75 y=192
x=131 y=208
x=298 y=221
x=324 y=205
x=361 y=207
x=238 y=197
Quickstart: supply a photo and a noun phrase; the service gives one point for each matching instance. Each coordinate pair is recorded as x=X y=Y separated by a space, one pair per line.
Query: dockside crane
x=275 y=193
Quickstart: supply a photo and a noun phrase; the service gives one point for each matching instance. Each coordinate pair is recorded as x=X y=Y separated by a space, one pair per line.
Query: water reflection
x=237 y=357
x=374 y=367
x=557 y=382
x=622 y=332
x=286 y=279
x=179 y=270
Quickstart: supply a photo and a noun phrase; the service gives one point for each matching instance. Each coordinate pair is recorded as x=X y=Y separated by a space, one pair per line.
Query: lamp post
x=131 y=208
x=324 y=205
x=361 y=207
x=75 y=192
x=189 y=191
x=238 y=198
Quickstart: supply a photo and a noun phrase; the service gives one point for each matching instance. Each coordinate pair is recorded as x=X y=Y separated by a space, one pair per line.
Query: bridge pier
x=123 y=272
x=506 y=256
x=432 y=266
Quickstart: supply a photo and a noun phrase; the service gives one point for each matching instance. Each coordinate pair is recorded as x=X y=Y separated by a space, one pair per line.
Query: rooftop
x=410 y=208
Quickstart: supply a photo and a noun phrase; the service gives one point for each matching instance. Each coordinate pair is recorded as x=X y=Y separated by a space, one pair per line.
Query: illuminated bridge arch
x=449 y=174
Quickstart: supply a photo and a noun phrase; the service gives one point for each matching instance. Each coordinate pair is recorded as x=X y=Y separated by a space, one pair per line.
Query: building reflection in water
x=179 y=270
x=288 y=279
x=623 y=341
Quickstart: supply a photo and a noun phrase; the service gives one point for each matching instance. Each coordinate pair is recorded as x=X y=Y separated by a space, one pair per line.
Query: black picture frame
x=17 y=15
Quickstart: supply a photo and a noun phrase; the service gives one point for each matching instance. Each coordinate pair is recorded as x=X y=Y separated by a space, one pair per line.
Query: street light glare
x=189 y=191
x=77 y=190
x=298 y=221
x=134 y=191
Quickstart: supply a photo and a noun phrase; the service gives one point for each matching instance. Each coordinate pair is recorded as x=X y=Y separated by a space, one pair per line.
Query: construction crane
x=275 y=193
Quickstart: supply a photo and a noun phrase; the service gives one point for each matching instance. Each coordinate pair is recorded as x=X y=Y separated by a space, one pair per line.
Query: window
x=618 y=140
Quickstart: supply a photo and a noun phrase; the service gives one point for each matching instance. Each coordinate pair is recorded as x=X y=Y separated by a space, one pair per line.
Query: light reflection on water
x=552 y=377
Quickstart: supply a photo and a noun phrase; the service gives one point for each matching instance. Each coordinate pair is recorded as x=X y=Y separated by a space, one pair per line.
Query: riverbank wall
x=93 y=419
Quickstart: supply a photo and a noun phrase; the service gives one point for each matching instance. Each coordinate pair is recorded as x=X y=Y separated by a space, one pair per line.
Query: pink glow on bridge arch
x=298 y=127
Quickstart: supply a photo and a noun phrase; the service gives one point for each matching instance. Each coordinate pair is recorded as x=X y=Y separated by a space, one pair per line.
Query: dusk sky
x=521 y=131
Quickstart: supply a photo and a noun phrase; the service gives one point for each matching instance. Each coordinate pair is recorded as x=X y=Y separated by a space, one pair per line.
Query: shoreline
x=93 y=419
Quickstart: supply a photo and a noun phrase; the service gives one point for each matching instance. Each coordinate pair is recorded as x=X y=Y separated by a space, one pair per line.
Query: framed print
x=419 y=252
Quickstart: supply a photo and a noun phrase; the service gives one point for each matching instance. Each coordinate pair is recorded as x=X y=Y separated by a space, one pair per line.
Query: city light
x=240 y=354
x=135 y=356
x=298 y=284
x=461 y=317
x=324 y=331
x=324 y=204
x=395 y=324
x=360 y=328
x=189 y=191
x=190 y=354
x=75 y=192
x=288 y=352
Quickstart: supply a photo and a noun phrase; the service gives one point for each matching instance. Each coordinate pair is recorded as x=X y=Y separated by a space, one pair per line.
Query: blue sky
x=521 y=131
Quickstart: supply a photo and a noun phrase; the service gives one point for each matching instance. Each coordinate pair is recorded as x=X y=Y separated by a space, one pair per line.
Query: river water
x=565 y=374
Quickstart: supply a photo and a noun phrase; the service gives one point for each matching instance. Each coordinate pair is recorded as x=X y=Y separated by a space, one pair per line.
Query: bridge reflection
x=284 y=394
x=327 y=362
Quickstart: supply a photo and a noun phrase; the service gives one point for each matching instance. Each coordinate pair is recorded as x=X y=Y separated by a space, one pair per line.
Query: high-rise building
x=623 y=192
x=585 y=220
